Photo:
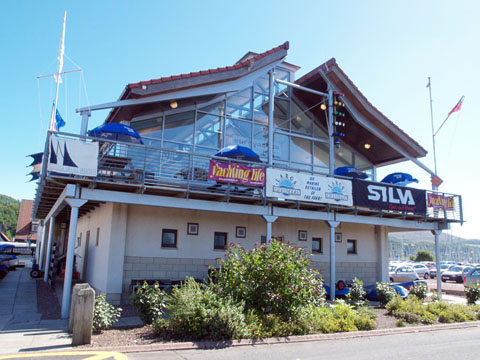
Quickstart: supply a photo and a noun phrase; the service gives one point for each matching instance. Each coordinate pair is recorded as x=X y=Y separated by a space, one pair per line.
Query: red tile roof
x=238 y=65
x=24 y=223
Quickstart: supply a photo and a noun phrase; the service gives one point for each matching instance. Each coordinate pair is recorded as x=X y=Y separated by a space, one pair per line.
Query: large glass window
x=169 y=238
x=280 y=89
x=301 y=122
x=239 y=105
x=260 y=107
x=260 y=140
x=209 y=130
x=262 y=84
x=300 y=150
x=238 y=132
x=281 y=114
x=281 y=149
x=179 y=127
x=320 y=155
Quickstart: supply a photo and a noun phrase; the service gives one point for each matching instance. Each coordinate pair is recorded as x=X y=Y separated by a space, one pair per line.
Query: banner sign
x=440 y=201
x=389 y=197
x=70 y=156
x=306 y=187
x=233 y=173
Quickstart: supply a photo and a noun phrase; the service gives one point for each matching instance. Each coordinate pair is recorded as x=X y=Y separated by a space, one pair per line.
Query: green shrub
x=385 y=293
x=365 y=318
x=104 y=314
x=197 y=311
x=435 y=296
x=419 y=290
x=411 y=310
x=274 y=279
x=395 y=304
x=400 y=323
x=270 y=325
x=356 y=295
x=149 y=302
x=472 y=293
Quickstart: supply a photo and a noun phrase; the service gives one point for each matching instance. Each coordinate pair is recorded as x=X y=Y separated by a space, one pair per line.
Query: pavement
x=21 y=326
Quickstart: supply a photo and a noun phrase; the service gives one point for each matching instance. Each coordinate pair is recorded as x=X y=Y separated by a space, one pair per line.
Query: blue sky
x=388 y=48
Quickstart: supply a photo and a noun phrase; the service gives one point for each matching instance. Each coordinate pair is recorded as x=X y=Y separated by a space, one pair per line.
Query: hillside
x=9 y=213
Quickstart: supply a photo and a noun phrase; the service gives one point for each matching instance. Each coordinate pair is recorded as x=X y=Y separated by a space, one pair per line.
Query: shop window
x=169 y=238
x=317 y=245
x=351 y=246
x=220 y=240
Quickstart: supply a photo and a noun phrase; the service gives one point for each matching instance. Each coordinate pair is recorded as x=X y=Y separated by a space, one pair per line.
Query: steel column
x=332 y=225
x=271 y=108
x=437 y=234
x=84 y=124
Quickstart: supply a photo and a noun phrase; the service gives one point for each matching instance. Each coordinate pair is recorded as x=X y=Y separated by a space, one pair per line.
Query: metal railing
x=147 y=166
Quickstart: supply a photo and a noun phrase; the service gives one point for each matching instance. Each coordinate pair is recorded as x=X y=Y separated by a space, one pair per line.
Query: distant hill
x=9 y=213
x=402 y=245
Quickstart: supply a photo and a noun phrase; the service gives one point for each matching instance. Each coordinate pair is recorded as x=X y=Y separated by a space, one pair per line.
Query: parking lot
x=449 y=287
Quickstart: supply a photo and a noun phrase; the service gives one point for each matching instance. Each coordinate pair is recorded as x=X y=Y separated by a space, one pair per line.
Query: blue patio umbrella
x=350 y=171
x=399 y=178
x=116 y=131
x=239 y=152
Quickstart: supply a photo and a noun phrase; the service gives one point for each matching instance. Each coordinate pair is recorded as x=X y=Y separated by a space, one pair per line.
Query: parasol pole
x=57 y=76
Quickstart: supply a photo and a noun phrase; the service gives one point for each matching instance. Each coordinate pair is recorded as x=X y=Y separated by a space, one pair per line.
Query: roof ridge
x=238 y=65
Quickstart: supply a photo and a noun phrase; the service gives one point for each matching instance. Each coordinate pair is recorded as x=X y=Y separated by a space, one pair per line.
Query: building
x=26 y=228
x=166 y=208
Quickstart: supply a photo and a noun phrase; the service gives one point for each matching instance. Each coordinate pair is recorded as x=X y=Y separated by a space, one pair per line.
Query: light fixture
x=173 y=104
x=323 y=107
x=298 y=118
x=367 y=146
x=144 y=87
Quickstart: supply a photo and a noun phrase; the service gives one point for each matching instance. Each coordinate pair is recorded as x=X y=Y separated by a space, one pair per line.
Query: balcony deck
x=146 y=169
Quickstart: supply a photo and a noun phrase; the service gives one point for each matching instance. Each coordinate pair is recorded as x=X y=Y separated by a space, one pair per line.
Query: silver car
x=403 y=274
x=472 y=277
x=421 y=270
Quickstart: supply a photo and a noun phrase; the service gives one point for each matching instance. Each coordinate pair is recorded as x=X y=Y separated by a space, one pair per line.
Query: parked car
x=455 y=273
x=422 y=270
x=472 y=277
x=402 y=274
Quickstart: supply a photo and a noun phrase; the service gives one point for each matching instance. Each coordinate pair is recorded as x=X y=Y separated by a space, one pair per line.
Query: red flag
x=457 y=107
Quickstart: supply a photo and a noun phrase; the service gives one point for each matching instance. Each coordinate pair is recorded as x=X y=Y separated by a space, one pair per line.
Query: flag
x=37 y=165
x=59 y=122
x=457 y=107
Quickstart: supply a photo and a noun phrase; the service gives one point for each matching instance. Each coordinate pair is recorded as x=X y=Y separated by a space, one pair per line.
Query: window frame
x=355 y=247
x=218 y=247
x=320 y=239
x=170 y=231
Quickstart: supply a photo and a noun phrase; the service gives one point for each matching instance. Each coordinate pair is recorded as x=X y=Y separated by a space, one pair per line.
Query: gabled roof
x=382 y=152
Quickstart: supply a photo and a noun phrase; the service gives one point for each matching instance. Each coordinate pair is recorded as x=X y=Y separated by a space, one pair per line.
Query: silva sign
x=388 y=197
x=306 y=187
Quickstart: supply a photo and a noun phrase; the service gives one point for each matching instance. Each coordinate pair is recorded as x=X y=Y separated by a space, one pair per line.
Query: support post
x=331 y=142
x=49 y=248
x=75 y=204
x=437 y=234
x=271 y=109
x=39 y=249
x=270 y=219
x=84 y=125
x=332 y=225
x=83 y=316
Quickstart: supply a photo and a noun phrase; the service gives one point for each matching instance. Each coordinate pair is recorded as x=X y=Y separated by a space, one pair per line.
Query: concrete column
x=40 y=241
x=437 y=234
x=49 y=248
x=72 y=232
x=270 y=219
x=381 y=237
x=332 y=225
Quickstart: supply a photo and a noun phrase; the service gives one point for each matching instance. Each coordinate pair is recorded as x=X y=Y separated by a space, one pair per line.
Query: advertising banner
x=389 y=197
x=233 y=173
x=306 y=187
x=71 y=156
x=440 y=201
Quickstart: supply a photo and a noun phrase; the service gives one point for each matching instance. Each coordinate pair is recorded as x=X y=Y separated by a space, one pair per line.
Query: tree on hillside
x=9 y=213
x=424 y=255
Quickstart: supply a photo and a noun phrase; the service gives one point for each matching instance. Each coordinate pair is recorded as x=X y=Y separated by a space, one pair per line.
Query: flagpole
x=57 y=75
x=429 y=85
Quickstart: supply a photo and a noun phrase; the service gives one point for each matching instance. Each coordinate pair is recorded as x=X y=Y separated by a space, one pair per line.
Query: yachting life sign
x=306 y=187
x=235 y=173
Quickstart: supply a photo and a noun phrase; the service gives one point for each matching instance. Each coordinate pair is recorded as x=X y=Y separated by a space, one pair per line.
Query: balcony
x=150 y=169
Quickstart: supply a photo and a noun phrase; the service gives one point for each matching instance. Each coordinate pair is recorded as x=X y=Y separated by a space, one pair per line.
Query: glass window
x=351 y=246
x=238 y=132
x=209 y=130
x=301 y=122
x=262 y=84
x=263 y=239
x=216 y=108
x=300 y=150
x=260 y=140
x=320 y=155
x=280 y=89
x=260 y=107
x=97 y=239
x=281 y=147
x=317 y=245
x=148 y=125
x=179 y=127
x=281 y=114
x=239 y=105
x=220 y=240
x=169 y=238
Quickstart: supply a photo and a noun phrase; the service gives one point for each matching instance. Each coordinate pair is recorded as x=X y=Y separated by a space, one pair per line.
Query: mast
x=57 y=76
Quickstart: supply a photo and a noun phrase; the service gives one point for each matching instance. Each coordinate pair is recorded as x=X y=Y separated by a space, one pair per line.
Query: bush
x=104 y=314
x=365 y=318
x=419 y=290
x=411 y=310
x=385 y=293
x=197 y=311
x=149 y=302
x=356 y=295
x=274 y=279
x=472 y=293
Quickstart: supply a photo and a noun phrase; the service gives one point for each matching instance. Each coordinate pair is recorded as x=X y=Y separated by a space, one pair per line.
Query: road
x=437 y=345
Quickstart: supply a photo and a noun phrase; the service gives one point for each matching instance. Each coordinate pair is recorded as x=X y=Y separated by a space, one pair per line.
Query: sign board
x=234 y=173
x=69 y=156
x=440 y=201
x=306 y=187
x=389 y=197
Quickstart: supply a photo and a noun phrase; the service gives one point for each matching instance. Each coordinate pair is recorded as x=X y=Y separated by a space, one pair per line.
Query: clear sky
x=387 y=48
